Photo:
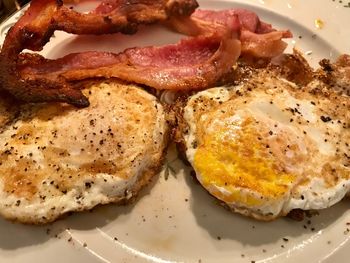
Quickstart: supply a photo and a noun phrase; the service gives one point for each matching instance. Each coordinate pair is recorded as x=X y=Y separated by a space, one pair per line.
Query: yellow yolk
x=234 y=159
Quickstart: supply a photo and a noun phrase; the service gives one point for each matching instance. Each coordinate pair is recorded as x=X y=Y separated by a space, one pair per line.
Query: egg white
x=74 y=159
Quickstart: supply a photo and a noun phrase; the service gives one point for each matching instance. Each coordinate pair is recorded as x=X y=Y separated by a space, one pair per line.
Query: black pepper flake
x=8 y=152
x=84 y=245
x=325 y=119
x=88 y=185
x=219 y=238
x=270 y=132
x=285 y=239
x=194 y=145
x=18 y=202
x=115 y=239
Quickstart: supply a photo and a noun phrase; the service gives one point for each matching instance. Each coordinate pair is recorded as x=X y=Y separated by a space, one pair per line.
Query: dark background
x=7 y=7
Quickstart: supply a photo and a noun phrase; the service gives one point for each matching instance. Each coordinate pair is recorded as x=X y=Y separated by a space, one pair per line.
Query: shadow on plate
x=14 y=235
x=219 y=222
x=20 y=236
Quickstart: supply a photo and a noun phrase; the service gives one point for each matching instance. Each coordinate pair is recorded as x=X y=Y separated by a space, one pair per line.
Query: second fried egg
x=268 y=147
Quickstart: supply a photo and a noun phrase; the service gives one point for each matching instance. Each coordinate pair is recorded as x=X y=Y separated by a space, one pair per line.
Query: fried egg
x=267 y=147
x=56 y=158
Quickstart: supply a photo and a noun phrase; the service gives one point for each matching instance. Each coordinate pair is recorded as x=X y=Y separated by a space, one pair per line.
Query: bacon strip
x=193 y=63
x=121 y=16
x=43 y=17
x=258 y=38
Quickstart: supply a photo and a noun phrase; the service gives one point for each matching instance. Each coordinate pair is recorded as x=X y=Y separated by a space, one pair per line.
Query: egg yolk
x=235 y=158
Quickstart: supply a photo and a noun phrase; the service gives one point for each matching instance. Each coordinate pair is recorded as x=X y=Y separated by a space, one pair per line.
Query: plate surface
x=175 y=220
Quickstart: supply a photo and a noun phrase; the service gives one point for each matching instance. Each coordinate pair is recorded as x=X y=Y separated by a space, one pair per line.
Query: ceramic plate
x=175 y=220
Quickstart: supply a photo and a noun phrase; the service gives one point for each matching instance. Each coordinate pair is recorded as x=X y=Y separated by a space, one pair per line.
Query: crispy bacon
x=193 y=63
x=43 y=17
x=121 y=16
x=258 y=38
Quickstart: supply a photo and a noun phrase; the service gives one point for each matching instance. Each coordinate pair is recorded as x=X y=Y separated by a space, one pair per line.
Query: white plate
x=175 y=220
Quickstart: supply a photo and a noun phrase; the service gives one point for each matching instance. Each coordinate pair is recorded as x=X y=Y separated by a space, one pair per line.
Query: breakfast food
x=268 y=146
x=35 y=28
x=56 y=158
x=194 y=63
x=274 y=141
x=216 y=43
x=258 y=39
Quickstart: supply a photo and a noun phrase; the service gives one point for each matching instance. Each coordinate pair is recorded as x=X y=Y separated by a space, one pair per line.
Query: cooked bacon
x=258 y=38
x=193 y=63
x=266 y=45
x=38 y=23
x=248 y=19
x=121 y=16
x=43 y=17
